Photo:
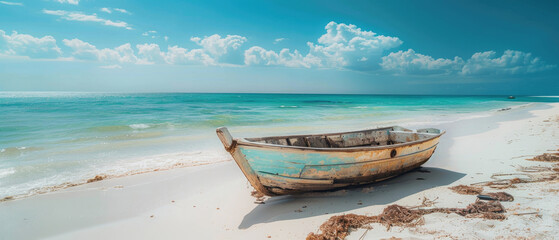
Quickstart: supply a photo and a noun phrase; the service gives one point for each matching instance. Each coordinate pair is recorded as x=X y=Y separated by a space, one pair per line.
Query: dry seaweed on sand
x=338 y=227
x=546 y=157
x=501 y=196
x=96 y=178
x=467 y=190
x=259 y=197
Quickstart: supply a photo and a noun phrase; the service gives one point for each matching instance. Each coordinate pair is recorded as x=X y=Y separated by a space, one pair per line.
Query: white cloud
x=347 y=46
x=121 y=10
x=411 y=62
x=86 y=51
x=342 y=46
x=277 y=40
x=166 y=38
x=511 y=62
x=12 y=3
x=110 y=10
x=151 y=53
x=79 y=16
x=73 y=2
x=226 y=50
x=260 y=56
x=149 y=33
x=481 y=63
x=177 y=55
x=26 y=45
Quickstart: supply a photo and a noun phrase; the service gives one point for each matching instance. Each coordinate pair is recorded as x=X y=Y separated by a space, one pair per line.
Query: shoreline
x=163 y=204
x=212 y=158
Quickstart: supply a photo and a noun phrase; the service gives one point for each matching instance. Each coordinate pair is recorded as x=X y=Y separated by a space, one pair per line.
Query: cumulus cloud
x=215 y=50
x=73 y=2
x=178 y=55
x=342 y=46
x=107 y=10
x=151 y=53
x=260 y=56
x=12 y=3
x=79 y=16
x=26 y=45
x=348 y=46
x=481 y=63
x=411 y=62
x=226 y=50
x=511 y=62
x=86 y=51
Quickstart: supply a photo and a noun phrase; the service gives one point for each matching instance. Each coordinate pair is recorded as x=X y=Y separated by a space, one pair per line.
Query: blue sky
x=366 y=47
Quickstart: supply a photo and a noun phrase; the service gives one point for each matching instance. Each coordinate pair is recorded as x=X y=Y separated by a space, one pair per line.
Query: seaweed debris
x=501 y=196
x=96 y=178
x=259 y=197
x=467 y=190
x=546 y=157
x=338 y=227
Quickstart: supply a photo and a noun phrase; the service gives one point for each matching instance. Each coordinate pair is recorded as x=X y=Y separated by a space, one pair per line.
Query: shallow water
x=47 y=139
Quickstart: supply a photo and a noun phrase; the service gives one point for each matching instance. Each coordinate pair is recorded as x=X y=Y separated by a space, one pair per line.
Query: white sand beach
x=214 y=201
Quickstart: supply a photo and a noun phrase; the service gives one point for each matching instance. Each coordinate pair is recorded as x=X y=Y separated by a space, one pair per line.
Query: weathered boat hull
x=279 y=170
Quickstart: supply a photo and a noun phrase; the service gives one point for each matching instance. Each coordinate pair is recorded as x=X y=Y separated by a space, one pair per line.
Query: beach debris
x=487 y=210
x=298 y=210
x=7 y=198
x=260 y=198
x=533 y=174
x=467 y=190
x=420 y=178
x=527 y=213
x=339 y=227
x=546 y=157
x=96 y=178
x=485 y=197
x=499 y=196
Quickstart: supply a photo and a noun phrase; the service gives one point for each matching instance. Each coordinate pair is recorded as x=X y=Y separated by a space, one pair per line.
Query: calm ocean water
x=48 y=139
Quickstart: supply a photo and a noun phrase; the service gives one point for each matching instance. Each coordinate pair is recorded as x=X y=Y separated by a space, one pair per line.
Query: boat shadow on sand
x=319 y=203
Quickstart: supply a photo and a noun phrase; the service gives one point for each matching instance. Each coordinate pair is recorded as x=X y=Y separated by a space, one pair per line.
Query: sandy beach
x=214 y=201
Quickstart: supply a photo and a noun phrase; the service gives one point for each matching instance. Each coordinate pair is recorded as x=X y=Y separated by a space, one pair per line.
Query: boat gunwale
x=245 y=142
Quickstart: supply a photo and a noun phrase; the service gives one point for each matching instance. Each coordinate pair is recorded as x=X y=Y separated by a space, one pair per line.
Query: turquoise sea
x=51 y=139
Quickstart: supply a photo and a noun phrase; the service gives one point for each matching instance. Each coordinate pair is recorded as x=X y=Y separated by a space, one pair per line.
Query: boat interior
x=371 y=137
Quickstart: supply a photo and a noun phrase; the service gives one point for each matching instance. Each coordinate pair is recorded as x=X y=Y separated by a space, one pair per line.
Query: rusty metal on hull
x=303 y=163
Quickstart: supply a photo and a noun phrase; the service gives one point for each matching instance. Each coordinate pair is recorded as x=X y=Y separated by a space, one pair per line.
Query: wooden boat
x=304 y=163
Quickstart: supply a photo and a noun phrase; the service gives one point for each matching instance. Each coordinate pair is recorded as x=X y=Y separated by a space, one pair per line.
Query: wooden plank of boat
x=302 y=163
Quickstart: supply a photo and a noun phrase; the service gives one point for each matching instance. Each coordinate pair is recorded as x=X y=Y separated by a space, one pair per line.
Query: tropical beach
x=317 y=120
x=213 y=201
